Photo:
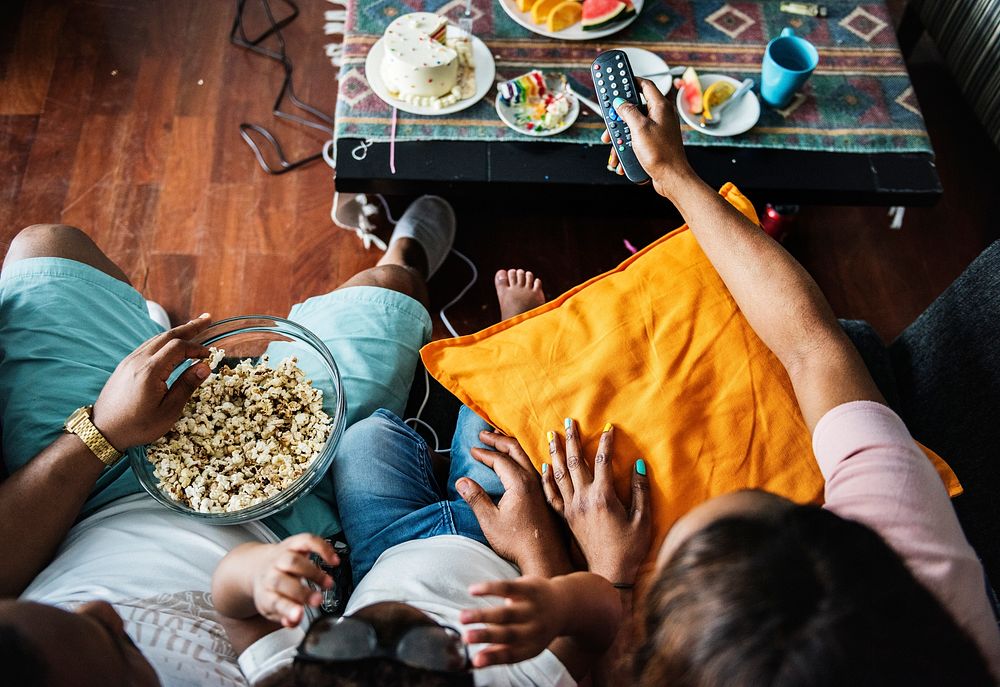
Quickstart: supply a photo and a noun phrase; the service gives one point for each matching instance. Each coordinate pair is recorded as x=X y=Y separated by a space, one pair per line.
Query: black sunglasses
x=436 y=648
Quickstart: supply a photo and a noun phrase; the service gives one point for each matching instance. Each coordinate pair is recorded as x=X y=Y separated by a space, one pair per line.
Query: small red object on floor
x=778 y=220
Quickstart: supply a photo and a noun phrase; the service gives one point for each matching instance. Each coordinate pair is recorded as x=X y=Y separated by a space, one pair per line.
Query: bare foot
x=518 y=291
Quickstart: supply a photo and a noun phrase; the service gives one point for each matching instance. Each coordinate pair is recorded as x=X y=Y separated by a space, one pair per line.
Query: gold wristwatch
x=79 y=424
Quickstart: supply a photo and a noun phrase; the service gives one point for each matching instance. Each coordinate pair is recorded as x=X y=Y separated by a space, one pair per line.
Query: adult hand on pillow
x=520 y=527
x=135 y=406
x=656 y=139
x=614 y=536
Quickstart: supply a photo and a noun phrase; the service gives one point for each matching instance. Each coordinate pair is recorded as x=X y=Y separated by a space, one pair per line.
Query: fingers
x=477 y=498
x=602 y=461
x=299 y=565
x=629 y=112
x=310 y=543
x=183 y=387
x=606 y=137
x=640 y=492
x=510 y=589
x=498 y=654
x=552 y=494
x=173 y=354
x=656 y=103
x=560 y=475
x=579 y=471
x=183 y=331
x=287 y=599
x=507 y=445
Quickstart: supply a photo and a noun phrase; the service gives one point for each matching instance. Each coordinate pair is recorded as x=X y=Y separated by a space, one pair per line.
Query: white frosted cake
x=421 y=65
x=417 y=61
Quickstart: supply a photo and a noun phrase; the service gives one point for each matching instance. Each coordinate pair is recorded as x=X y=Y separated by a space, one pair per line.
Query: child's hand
x=280 y=571
x=533 y=615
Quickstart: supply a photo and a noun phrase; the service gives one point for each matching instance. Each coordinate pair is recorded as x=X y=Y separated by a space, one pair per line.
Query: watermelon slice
x=600 y=14
x=692 y=90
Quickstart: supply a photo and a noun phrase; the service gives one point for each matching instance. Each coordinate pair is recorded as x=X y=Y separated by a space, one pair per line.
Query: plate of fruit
x=698 y=95
x=573 y=20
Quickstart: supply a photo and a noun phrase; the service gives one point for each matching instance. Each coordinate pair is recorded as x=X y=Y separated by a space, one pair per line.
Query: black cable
x=238 y=36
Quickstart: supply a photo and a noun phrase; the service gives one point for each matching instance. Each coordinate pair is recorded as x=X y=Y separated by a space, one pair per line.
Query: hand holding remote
x=656 y=139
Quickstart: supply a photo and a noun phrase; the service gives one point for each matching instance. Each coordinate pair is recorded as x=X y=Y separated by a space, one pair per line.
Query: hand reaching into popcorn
x=271 y=580
x=136 y=406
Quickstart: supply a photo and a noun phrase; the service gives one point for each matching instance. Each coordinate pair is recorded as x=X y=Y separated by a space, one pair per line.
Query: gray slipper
x=430 y=221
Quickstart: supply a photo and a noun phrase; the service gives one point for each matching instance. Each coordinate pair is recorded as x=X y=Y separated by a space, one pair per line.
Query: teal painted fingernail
x=545 y=468
x=568 y=423
x=616 y=102
x=640 y=467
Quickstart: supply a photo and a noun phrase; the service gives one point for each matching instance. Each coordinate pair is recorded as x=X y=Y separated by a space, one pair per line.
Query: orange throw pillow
x=659 y=348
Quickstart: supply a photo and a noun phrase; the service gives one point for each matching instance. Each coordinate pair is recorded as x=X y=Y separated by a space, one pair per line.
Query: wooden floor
x=120 y=117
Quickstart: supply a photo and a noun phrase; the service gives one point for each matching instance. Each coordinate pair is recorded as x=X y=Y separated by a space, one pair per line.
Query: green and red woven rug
x=859 y=99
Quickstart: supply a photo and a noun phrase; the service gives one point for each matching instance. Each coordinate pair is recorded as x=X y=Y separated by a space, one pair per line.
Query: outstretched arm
x=777 y=296
x=40 y=502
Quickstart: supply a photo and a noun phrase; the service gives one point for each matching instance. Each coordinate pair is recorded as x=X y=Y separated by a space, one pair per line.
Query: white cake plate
x=482 y=58
x=573 y=33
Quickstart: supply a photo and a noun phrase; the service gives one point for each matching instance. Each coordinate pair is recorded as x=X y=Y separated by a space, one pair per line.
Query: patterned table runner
x=859 y=99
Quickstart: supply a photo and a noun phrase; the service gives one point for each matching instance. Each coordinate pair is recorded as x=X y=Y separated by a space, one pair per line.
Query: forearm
x=38 y=505
x=615 y=668
x=782 y=303
x=232 y=581
x=591 y=614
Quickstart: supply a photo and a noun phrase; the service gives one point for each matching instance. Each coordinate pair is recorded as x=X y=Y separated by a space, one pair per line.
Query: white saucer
x=736 y=119
x=573 y=33
x=482 y=58
x=506 y=113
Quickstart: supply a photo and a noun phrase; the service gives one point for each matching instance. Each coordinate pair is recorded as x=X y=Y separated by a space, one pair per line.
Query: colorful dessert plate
x=508 y=115
x=573 y=33
x=486 y=71
x=738 y=118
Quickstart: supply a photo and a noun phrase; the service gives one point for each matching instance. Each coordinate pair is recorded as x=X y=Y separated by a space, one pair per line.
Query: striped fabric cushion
x=967 y=33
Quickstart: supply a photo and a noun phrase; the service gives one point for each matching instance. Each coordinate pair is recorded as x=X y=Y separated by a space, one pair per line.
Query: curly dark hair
x=807 y=599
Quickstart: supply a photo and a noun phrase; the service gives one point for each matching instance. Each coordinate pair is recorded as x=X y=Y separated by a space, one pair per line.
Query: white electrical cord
x=365 y=232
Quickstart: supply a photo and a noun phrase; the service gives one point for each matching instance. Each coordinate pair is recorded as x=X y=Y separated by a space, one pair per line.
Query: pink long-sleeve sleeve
x=876 y=475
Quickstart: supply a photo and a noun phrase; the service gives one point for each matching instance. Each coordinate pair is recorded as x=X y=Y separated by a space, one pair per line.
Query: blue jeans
x=386 y=492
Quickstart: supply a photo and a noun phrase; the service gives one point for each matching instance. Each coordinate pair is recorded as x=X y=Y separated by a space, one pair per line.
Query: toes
x=512 y=277
x=537 y=285
x=529 y=279
x=520 y=278
x=502 y=279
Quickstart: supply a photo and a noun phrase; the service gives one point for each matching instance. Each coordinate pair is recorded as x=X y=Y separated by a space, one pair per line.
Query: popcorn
x=246 y=434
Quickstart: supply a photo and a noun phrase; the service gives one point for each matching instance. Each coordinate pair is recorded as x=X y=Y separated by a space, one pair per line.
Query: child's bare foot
x=518 y=291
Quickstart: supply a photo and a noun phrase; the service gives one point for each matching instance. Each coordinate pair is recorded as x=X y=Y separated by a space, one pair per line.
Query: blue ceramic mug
x=788 y=62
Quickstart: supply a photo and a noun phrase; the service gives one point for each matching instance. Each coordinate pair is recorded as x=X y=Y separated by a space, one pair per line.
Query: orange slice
x=564 y=15
x=541 y=9
x=525 y=5
x=716 y=94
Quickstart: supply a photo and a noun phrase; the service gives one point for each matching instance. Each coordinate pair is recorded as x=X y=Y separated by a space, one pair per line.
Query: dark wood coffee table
x=478 y=168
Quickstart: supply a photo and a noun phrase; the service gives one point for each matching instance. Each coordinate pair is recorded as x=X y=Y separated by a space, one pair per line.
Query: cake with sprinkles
x=422 y=65
x=523 y=88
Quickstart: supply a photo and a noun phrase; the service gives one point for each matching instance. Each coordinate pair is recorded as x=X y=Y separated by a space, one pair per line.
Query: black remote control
x=613 y=79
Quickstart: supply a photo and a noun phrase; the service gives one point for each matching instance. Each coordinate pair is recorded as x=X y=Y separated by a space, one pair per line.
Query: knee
x=405 y=280
x=43 y=239
x=360 y=440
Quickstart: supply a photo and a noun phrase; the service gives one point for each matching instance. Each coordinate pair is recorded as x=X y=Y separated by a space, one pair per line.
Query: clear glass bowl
x=251 y=336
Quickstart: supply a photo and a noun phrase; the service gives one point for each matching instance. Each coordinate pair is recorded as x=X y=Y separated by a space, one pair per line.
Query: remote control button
x=629 y=144
x=614 y=125
x=620 y=65
x=604 y=90
x=626 y=128
x=620 y=141
x=597 y=68
x=600 y=82
x=621 y=147
x=622 y=72
x=608 y=69
x=614 y=92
